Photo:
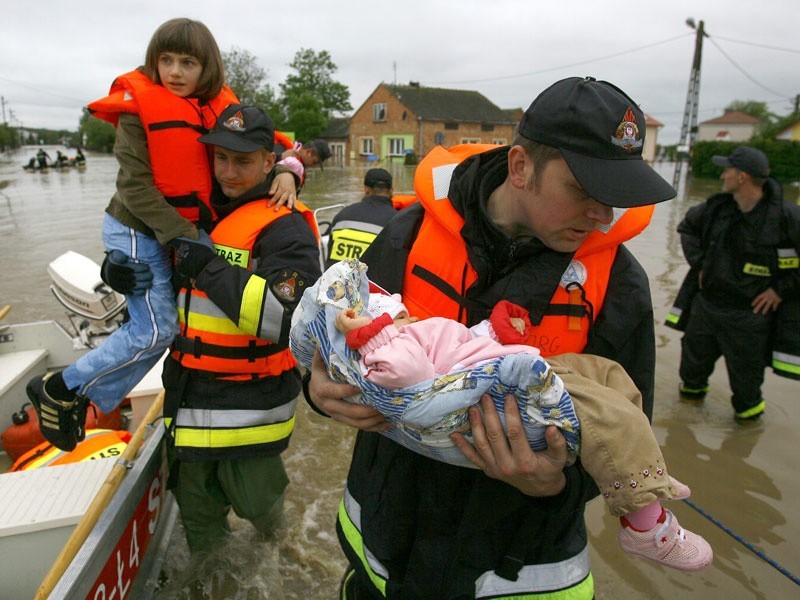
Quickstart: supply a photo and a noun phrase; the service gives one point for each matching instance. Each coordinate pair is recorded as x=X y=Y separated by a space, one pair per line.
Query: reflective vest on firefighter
x=436 y=287
x=180 y=164
x=209 y=340
x=98 y=443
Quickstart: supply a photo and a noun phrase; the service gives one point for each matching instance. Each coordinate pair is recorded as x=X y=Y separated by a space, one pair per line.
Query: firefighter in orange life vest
x=230 y=379
x=542 y=224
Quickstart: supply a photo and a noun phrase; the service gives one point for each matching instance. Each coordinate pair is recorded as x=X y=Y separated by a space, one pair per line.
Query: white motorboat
x=95 y=529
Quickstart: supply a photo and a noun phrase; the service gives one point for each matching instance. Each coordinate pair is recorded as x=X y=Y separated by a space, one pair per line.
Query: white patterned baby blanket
x=424 y=415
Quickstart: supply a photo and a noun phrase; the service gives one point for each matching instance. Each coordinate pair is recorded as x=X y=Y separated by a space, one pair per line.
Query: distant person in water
x=42 y=157
x=162 y=198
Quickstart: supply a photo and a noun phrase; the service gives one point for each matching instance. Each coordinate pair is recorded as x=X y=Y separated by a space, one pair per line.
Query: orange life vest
x=283 y=139
x=99 y=443
x=577 y=300
x=401 y=201
x=220 y=345
x=180 y=164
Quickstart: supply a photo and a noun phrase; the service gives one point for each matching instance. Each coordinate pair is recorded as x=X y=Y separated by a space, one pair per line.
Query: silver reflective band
x=353 y=509
x=536 y=578
x=441 y=180
x=790 y=359
x=358 y=226
x=195 y=417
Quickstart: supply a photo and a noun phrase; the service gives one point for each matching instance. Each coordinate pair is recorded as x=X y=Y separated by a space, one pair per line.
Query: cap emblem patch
x=235 y=122
x=627 y=135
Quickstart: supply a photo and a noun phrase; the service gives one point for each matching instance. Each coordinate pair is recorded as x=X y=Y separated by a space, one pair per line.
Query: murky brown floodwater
x=745 y=478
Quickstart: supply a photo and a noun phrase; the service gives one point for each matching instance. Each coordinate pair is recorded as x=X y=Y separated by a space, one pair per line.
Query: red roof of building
x=733 y=117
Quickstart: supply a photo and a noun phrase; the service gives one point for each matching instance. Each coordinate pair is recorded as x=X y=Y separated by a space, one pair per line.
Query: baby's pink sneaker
x=667 y=543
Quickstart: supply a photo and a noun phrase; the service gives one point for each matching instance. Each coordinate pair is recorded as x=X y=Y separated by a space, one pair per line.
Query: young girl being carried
x=162 y=195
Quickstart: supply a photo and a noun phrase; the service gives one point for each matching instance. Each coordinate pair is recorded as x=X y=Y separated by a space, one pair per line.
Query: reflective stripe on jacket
x=172 y=125
x=209 y=341
x=578 y=299
x=99 y=443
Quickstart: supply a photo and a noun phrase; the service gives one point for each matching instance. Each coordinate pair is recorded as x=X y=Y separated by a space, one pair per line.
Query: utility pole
x=689 y=125
x=3 y=103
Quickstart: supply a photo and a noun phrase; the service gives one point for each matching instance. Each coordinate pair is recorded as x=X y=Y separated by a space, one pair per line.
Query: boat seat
x=39 y=510
x=16 y=367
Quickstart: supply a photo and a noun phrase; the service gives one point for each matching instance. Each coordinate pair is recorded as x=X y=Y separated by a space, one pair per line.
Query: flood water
x=744 y=478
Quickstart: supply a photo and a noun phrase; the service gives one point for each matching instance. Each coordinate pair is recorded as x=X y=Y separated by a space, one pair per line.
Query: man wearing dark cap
x=542 y=224
x=230 y=379
x=354 y=227
x=742 y=246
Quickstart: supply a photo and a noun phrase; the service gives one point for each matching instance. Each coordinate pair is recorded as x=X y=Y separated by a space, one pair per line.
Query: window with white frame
x=366 y=145
x=397 y=146
x=470 y=140
x=379 y=111
x=500 y=141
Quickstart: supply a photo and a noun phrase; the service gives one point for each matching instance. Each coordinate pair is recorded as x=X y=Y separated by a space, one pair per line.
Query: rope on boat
x=745 y=543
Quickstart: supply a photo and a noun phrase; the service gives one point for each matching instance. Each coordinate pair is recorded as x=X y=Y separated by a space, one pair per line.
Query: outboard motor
x=94 y=309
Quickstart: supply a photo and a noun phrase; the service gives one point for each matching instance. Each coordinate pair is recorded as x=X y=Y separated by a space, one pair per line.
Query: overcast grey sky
x=57 y=56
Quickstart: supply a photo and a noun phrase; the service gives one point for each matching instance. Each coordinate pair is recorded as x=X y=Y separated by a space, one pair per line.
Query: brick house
x=396 y=120
x=733 y=126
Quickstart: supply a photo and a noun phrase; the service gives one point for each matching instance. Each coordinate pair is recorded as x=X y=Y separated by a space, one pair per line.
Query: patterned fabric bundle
x=424 y=415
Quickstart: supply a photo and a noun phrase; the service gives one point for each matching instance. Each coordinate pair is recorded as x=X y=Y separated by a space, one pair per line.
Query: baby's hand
x=518 y=324
x=347 y=320
x=404 y=319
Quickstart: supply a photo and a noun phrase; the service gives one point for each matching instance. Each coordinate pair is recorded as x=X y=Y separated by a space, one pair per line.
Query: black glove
x=191 y=256
x=123 y=275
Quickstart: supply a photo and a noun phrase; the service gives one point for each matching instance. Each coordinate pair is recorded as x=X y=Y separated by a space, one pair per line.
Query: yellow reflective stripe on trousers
x=787 y=363
x=350 y=521
x=228 y=438
x=788 y=259
x=750 y=412
x=569 y=579
x=674 y=315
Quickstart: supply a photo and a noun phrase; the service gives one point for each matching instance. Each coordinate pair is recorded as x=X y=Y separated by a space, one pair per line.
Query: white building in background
x=733 y=126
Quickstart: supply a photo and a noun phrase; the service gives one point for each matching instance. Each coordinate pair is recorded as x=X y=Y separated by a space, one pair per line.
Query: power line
x=42 y=90
x=745 y=73
x=577 y=64
x=758 y=45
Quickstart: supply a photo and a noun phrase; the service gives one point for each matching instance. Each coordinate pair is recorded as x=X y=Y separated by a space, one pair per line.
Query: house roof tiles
x=439 y=104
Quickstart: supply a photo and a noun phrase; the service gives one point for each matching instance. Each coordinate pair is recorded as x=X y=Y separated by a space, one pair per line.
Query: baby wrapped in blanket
x=424 y=375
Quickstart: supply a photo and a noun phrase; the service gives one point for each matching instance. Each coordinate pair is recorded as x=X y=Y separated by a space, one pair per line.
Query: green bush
x=784 y=157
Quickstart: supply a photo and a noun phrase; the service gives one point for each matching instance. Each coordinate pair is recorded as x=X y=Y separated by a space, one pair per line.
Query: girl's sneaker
x=667 y=543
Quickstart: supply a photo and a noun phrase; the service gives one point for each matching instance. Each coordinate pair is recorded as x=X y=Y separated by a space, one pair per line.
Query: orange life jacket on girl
x=579 y=297
x=99 y=443
x=180 y=164
x=217 y=344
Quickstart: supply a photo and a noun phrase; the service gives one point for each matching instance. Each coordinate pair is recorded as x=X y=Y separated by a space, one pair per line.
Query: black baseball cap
x=321 y=148
x=375 y=176
x=600 y=132
x=242 y=129
x=745 y=158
